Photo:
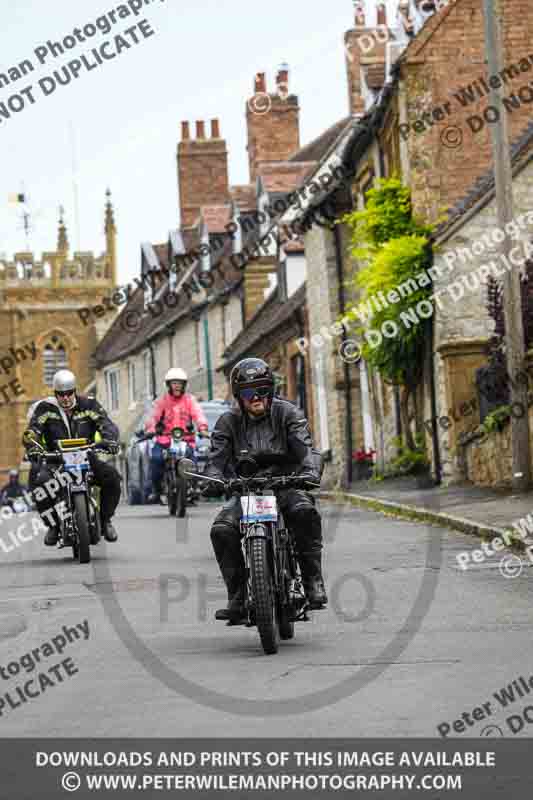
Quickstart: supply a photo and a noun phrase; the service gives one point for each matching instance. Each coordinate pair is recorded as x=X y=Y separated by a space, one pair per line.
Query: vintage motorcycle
x=274 y=594
x=176 y=486
x=80 y=523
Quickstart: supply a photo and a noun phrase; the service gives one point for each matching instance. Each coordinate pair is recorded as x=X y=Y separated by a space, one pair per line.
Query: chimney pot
x=360 y=21
x=382 y=14
x=282 y=78
x=200 y=129
x=215 y=129
x=185 y=131
x=260 y=83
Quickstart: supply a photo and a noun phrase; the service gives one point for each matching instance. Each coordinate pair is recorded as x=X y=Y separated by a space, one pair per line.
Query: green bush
x=496 y=420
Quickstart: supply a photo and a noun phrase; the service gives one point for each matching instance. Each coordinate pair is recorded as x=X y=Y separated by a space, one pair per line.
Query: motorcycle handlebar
x=54 y=455
x=281 y=482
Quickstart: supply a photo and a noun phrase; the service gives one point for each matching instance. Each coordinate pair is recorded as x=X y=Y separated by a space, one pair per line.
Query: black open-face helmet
x=252 y=373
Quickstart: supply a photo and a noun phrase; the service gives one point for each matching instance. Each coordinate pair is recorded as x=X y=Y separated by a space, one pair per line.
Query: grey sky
x=126 y=113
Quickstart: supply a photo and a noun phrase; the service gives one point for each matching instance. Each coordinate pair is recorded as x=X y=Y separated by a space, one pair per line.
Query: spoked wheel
x=264 y=598
x=82 y=524
x=181 y=497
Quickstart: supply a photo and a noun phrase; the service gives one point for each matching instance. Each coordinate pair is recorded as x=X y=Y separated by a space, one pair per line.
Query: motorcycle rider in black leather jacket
x=264 y=424
x=69 y=415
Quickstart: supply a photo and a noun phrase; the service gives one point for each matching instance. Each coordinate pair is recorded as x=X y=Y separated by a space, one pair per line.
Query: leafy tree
x=395 y=250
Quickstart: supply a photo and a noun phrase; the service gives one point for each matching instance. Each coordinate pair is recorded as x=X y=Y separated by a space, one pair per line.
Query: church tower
x=46 y=323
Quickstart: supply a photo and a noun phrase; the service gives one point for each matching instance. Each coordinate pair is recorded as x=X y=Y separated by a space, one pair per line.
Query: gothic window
x=54 y=358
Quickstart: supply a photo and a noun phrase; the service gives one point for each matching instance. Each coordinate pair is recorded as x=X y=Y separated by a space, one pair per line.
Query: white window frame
x=109 y=376
x=147 y=369
x=199 y=343
x=133 y=391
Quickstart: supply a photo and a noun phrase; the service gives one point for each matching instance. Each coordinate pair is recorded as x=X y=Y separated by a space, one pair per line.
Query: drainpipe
x=208 y=354
x=152 y=370
x=346 y=366
x=433 y=399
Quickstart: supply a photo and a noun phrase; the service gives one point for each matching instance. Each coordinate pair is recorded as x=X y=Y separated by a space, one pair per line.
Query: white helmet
x=64 y=381
x=176 y=374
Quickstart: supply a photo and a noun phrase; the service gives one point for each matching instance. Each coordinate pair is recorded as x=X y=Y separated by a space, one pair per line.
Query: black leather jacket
x=284 y=431
x=49 y=422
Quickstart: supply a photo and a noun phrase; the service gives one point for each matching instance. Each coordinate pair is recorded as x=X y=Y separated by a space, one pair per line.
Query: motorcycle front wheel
x=181 y=497
x=264 y=596
x=172 y=496
x=81 y=516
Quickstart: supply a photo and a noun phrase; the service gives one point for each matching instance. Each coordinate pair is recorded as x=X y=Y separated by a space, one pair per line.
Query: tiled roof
x=266 y=321
x=294 y=246
x=315 y=150
x=521 y=154
x=134 y=327
x=284 y=176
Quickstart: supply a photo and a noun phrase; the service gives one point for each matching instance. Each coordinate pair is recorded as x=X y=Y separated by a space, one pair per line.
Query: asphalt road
x=408 y=642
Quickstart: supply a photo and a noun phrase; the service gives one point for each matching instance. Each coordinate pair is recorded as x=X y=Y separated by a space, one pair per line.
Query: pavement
x=408 y=643
x=466 y=508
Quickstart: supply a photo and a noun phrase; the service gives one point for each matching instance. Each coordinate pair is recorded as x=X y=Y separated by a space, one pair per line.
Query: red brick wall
x=451 y=58
x=202 y=172
x=362 y=49
x=274 y=135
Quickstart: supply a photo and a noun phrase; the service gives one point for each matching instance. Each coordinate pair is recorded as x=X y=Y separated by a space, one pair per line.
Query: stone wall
x=488 y=460
x=462 y=324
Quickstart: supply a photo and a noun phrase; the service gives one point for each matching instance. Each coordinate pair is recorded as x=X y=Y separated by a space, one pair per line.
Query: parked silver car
x=137 y=466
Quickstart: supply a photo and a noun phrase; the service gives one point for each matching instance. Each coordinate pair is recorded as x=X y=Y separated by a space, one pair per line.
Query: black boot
x=51 y=536
x=311 y=568
x=235 y=611
x=110 y=534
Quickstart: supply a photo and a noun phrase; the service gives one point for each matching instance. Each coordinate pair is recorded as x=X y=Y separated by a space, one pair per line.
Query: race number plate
x=76 y=460
x=178 y=448
x=259 y=508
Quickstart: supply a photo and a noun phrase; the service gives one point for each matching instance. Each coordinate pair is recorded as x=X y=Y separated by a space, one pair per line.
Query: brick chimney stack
x=202 y=171
x=273 y=123
x=364 y=46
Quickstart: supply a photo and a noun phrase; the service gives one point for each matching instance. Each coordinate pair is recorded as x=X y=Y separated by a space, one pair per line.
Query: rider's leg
x=303 y=519
x=44 y=501
x=108 y=479
x=226 y=540
x=157 y=461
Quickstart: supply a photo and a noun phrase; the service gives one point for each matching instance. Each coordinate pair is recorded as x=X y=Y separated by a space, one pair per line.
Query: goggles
x=261 y=391
x=67 y=393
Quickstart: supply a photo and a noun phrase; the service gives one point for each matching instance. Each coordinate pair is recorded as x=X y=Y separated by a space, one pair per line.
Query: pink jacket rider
x=178 y=412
